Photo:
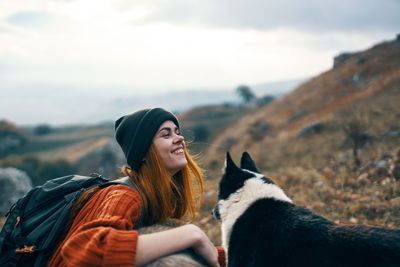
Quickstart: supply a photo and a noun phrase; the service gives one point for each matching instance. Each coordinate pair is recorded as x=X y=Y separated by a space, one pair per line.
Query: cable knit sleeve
x=102 y=234
x=221 y=256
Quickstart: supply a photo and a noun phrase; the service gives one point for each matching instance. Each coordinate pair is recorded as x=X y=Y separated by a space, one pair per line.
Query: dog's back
x=262 y=227
x=275 y=233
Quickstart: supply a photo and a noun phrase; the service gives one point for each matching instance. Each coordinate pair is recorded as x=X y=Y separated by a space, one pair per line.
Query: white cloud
x=143 y=47
x=305 y=15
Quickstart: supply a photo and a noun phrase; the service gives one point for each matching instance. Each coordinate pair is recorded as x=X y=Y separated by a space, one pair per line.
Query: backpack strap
x=126 y=181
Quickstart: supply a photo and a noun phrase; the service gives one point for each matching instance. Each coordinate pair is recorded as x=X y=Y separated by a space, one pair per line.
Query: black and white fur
x=262 y=227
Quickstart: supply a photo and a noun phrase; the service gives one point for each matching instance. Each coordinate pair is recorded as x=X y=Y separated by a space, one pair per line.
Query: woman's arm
x=153 y=246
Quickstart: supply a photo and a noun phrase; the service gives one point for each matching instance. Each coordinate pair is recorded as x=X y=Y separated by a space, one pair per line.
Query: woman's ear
x=127 y=171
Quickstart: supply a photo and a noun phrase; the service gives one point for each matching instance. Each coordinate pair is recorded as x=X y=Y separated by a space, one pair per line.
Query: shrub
x=42 y=129
x=11 y=138
x=265 y=100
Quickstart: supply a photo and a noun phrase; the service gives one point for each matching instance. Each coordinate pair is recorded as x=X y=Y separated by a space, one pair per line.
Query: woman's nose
x=179 y=138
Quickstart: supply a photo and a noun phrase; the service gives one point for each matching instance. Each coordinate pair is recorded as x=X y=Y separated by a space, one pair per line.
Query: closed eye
x=166 y=132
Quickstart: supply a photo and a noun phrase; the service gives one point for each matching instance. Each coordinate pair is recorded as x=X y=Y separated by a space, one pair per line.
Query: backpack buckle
x=17 y=222
x=25 y=249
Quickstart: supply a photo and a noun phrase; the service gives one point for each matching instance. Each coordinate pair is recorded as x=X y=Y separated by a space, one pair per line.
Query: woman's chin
x=178 y=167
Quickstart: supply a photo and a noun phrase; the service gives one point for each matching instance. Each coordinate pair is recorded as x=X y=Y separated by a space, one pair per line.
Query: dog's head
x=243 y=184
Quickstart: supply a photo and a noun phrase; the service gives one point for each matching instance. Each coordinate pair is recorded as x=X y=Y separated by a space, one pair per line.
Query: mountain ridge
x=361 y=76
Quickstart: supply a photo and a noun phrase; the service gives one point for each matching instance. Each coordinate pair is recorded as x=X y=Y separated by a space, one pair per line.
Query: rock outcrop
x=14 y=184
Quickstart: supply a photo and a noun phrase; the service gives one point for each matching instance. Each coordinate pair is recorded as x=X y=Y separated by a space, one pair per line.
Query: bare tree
x=355 y=125
x=245 y=93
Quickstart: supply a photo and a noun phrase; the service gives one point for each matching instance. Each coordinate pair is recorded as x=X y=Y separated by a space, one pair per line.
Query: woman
x=161 y=169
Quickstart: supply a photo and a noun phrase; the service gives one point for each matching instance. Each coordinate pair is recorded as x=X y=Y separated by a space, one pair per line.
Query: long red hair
x=164 y=197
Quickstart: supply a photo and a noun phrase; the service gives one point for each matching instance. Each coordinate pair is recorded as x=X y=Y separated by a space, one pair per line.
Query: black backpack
x=39 y=221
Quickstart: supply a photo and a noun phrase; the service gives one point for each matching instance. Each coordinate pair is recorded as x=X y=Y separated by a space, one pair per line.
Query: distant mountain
x=180 y=101
x=277 y=89
x=177 y=101
x=60 y=105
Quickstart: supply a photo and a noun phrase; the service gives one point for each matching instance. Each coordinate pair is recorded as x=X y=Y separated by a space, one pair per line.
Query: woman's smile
x=170 y=146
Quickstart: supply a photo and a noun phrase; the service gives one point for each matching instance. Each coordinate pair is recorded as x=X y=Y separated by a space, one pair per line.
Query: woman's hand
x=156 y=245
x=203 y=247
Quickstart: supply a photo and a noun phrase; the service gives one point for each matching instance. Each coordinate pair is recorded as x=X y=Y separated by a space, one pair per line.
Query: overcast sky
x=139 y=47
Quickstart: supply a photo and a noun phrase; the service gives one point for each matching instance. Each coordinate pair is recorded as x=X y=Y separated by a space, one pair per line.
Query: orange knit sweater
x=102 y=235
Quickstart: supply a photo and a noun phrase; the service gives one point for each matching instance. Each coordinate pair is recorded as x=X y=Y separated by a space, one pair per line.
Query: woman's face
x=169 y=144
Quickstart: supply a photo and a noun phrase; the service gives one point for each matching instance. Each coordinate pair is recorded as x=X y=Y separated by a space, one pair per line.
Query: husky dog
x=183 y=258
x=262 y=227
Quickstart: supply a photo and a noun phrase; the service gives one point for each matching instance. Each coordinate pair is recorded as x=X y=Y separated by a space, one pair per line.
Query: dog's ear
x=247 y=163
x=229 y=164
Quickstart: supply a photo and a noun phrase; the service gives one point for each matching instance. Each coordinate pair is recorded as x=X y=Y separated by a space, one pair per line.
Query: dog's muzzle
x=215 y=213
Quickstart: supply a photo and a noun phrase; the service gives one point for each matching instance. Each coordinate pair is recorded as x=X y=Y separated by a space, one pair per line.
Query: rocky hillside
x=362 y=77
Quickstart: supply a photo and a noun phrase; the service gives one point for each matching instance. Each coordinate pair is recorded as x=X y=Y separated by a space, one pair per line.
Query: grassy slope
x=67 y=143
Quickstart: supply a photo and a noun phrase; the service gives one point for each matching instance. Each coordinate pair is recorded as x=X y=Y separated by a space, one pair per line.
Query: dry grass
x=337 y=191
x=318 y=172
x=74 y=152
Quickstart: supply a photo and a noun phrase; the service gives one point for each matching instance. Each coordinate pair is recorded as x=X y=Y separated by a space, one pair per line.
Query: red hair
x=165 y=197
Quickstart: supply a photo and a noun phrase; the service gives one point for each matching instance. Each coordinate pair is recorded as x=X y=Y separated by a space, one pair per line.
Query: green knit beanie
x=135 y=132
